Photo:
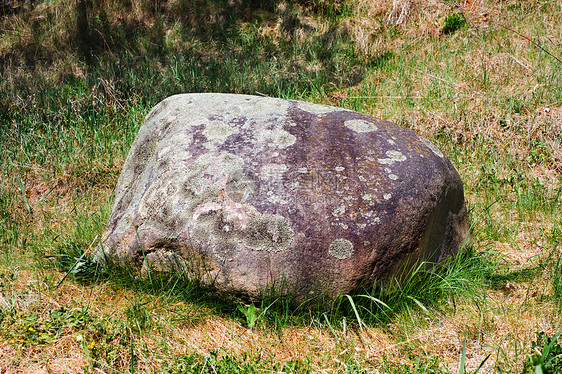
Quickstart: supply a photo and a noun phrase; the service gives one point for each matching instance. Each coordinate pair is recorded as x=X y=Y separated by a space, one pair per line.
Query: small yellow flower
x=92 y=344
x=31 y=328
x=21 y=341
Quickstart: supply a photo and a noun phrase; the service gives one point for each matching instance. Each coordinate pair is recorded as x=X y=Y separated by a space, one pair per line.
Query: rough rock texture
x=251 y=193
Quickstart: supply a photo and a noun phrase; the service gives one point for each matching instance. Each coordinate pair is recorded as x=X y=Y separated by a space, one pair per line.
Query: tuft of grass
x=453 y=22
x=424 y=290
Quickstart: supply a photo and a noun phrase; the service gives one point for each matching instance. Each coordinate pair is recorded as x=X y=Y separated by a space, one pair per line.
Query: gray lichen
x=431 y=146
x=392 y=157
x=341 y=249
x=271 y=233
x=218 y=130
x=360 y=125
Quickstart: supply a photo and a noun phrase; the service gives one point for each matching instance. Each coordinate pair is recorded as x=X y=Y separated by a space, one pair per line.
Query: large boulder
x=254 y=193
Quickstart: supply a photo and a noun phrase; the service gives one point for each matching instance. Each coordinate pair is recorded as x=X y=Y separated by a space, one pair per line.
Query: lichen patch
x=431 y=146
x=360 y=125
x=278 y=138
x=341 y=249
x=339 y=211
x=273 y=198
x=271 y=233
x=218 y=131
x=211 y=171
x=392 y=157
x=273 y=171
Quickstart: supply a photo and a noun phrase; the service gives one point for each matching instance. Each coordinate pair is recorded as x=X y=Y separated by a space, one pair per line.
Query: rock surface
x=251 y=193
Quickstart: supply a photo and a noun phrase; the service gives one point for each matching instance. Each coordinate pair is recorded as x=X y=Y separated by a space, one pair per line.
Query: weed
x=30 y=328
x=76 y=263
x=250 y=313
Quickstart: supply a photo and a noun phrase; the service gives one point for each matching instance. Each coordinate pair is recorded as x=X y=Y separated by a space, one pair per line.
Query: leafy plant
x=76 y=263
x=547 y=354
x=250 y=313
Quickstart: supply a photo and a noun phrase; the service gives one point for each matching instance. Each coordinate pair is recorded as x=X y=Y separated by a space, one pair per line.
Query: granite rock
x=253 y=193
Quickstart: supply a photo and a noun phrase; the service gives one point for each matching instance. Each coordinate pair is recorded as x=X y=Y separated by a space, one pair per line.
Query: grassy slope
x=75 y=96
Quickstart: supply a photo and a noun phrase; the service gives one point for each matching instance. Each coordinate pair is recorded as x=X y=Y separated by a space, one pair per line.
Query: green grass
x=547 y=354
x=73 y=99
x=424 y=290
x=557 y=278
x=217 y=363
x=453 y=22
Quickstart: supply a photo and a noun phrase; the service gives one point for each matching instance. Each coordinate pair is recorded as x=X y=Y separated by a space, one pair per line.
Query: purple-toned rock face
x=251 y=193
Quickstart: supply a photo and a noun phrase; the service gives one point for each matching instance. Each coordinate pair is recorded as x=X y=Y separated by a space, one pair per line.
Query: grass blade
x=482 y=363
x=551 y=344
x=419 y=303
x=359 y=320
x=378 y=301
x=463 y=357
x=22 y=190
